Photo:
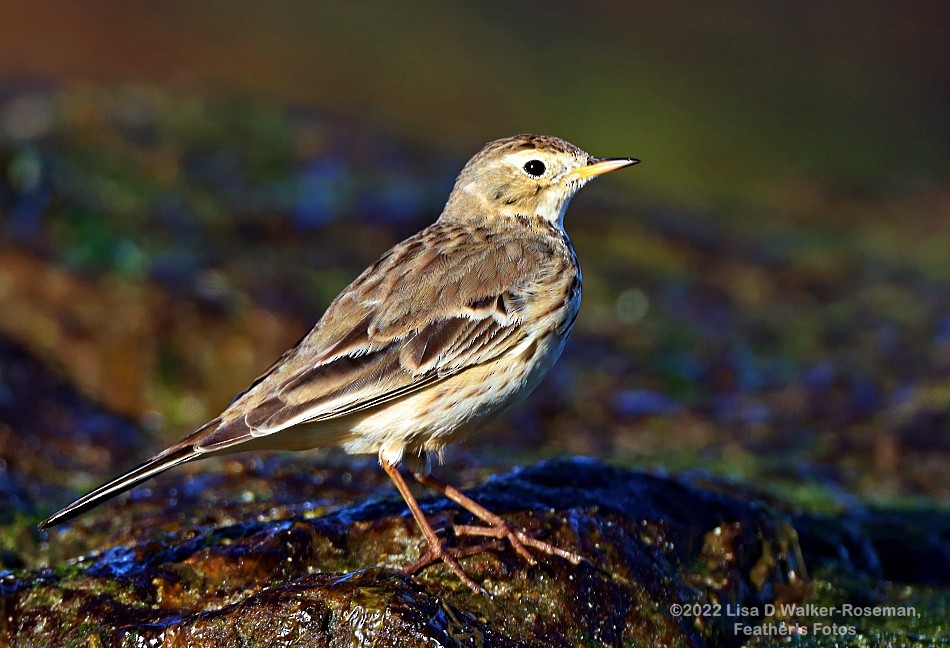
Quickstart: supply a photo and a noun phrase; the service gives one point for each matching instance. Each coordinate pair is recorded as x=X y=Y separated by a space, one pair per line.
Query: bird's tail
x=178 y=454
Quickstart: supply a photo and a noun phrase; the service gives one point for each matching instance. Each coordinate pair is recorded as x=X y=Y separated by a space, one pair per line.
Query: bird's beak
x=600 y=166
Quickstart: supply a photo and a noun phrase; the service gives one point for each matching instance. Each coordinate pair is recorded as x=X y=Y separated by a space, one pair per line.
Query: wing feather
x=436 y=305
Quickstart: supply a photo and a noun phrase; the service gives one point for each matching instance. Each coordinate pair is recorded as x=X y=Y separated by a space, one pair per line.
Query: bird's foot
x=518 y=540
x=497 y=527
x=437 y=551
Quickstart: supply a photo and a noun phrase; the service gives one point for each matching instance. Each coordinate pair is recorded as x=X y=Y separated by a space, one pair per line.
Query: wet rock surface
x=260 y=569
x=330 y=578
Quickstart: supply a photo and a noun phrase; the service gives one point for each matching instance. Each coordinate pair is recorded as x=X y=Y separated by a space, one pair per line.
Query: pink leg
x=436 y=548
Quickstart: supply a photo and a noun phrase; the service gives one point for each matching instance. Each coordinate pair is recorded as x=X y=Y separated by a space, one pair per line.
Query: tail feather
x=158 y=464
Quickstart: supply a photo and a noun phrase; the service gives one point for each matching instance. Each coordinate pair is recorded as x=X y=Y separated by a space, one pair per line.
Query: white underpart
x=423 y=423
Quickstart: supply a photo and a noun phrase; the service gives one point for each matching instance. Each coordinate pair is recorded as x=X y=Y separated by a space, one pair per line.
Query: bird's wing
x=443 y=301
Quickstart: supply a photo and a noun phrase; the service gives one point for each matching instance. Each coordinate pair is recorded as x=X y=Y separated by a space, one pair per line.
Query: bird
x=443 y=332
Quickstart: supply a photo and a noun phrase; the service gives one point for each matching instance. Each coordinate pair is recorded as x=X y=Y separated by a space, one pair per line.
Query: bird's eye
x=535 y=168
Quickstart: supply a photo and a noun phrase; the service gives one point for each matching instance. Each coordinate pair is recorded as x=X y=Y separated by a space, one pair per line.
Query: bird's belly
x=434 y=416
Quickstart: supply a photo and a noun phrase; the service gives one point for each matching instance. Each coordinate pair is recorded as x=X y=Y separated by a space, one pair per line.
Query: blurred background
x=185 y=186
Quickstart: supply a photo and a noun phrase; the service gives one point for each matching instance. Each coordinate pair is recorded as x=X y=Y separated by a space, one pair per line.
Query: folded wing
x=438 y=304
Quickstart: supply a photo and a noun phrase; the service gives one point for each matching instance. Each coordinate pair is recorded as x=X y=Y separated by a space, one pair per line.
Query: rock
x=332 y=578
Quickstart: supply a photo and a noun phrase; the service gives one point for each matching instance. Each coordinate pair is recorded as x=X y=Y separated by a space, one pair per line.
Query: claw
x=519 y=541
x=450 y=556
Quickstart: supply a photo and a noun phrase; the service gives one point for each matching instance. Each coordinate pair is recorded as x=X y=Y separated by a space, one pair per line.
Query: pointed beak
x=600 y=166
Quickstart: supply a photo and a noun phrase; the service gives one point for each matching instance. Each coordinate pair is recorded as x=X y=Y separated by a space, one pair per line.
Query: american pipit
x=446 y=329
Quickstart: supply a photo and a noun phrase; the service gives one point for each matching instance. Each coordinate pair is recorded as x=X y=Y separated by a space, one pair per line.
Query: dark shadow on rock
x=902 y=547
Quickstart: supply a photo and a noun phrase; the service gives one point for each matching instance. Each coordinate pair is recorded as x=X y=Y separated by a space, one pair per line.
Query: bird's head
x=525 y=175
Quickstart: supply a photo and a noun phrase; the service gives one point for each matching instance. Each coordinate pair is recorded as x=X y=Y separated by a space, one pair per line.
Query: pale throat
x=554 y=212
x=550 y=206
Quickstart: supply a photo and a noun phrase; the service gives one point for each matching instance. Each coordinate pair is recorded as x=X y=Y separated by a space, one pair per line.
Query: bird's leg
x=498 y=528
x=436 y=548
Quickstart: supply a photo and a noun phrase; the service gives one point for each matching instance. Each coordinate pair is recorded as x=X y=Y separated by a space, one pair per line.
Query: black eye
x=535 y=168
